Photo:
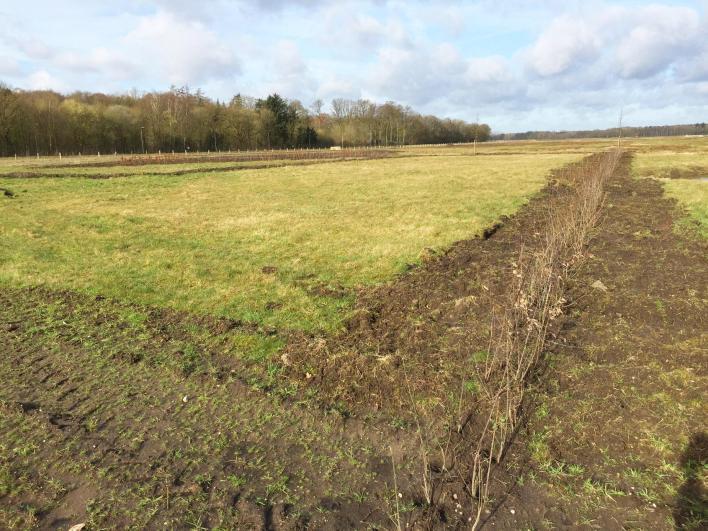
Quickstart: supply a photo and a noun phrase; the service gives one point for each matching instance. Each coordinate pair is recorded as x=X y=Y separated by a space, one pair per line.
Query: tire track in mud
x=118 y=435
x=411 y=339
x=423 y=326
x=412 y=344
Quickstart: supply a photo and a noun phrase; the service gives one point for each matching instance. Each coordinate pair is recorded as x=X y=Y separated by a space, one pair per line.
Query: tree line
x=47 y=123
x=646 y=131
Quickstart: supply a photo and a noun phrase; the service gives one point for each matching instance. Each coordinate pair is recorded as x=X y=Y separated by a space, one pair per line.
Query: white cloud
x=494 y=69
x=565 y=44
x=43 y=80
x=632 y=43
x=693 y=68
x=657 y=37
x=101 y=61
x=291 y=76
x=281 y=4
x=349 y=31
x=8 y=66
x=426 y=73
x=182 y=51
x=210 y=9
x=32 y=47
x=336 y=87
x=450 y=17
x=288 y=61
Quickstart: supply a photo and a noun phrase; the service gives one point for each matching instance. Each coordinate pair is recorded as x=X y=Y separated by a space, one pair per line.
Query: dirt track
x=269 y=160
x=102 y=422
x=624 y=397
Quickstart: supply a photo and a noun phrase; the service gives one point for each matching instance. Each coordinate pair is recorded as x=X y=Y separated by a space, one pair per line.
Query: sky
x=518 y=65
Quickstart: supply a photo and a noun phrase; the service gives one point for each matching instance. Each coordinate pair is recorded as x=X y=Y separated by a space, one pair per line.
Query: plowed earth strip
x=619 y=438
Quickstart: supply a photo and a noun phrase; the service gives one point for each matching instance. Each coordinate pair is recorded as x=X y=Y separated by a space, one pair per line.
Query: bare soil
x=692 y=172
x=624 y=395
x=246 y=156
x=303 y=160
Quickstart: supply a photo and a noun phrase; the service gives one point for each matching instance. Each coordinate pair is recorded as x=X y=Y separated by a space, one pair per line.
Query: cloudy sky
x=518 y=64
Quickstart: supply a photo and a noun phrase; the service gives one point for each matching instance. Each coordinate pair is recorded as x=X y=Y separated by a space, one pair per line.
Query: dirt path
x=286 y=162
x=618 y=439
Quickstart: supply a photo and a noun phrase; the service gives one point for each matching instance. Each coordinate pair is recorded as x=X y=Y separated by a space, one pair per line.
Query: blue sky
x=518 y=65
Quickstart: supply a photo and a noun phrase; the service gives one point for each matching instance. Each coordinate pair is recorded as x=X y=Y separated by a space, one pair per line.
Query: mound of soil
x=315 y=154
x=415 y=336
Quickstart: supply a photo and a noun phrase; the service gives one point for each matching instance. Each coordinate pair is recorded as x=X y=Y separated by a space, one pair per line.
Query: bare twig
x=397 y=521
x=518 y=331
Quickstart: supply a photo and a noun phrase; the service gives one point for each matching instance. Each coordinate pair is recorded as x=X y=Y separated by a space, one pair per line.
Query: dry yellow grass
x=200 y=242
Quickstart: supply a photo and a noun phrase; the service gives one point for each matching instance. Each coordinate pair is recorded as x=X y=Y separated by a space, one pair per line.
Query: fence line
x=207 y=155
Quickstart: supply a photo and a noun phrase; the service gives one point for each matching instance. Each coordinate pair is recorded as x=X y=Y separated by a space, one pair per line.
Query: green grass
x=255 y=244
x=691 y=193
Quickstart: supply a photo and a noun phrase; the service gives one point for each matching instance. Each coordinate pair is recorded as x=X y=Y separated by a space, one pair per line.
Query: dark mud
x=142 y=160
x=692 y=172
x=99 y=423
x=177 y=173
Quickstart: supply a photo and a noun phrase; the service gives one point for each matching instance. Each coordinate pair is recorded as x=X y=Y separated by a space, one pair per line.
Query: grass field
x=279 y=247
x=212 y=345
x=684 y=174
x=693 y=195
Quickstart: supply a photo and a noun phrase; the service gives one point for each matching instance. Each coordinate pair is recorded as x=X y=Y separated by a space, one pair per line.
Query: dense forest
x=651 y=130
x=180 y=119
